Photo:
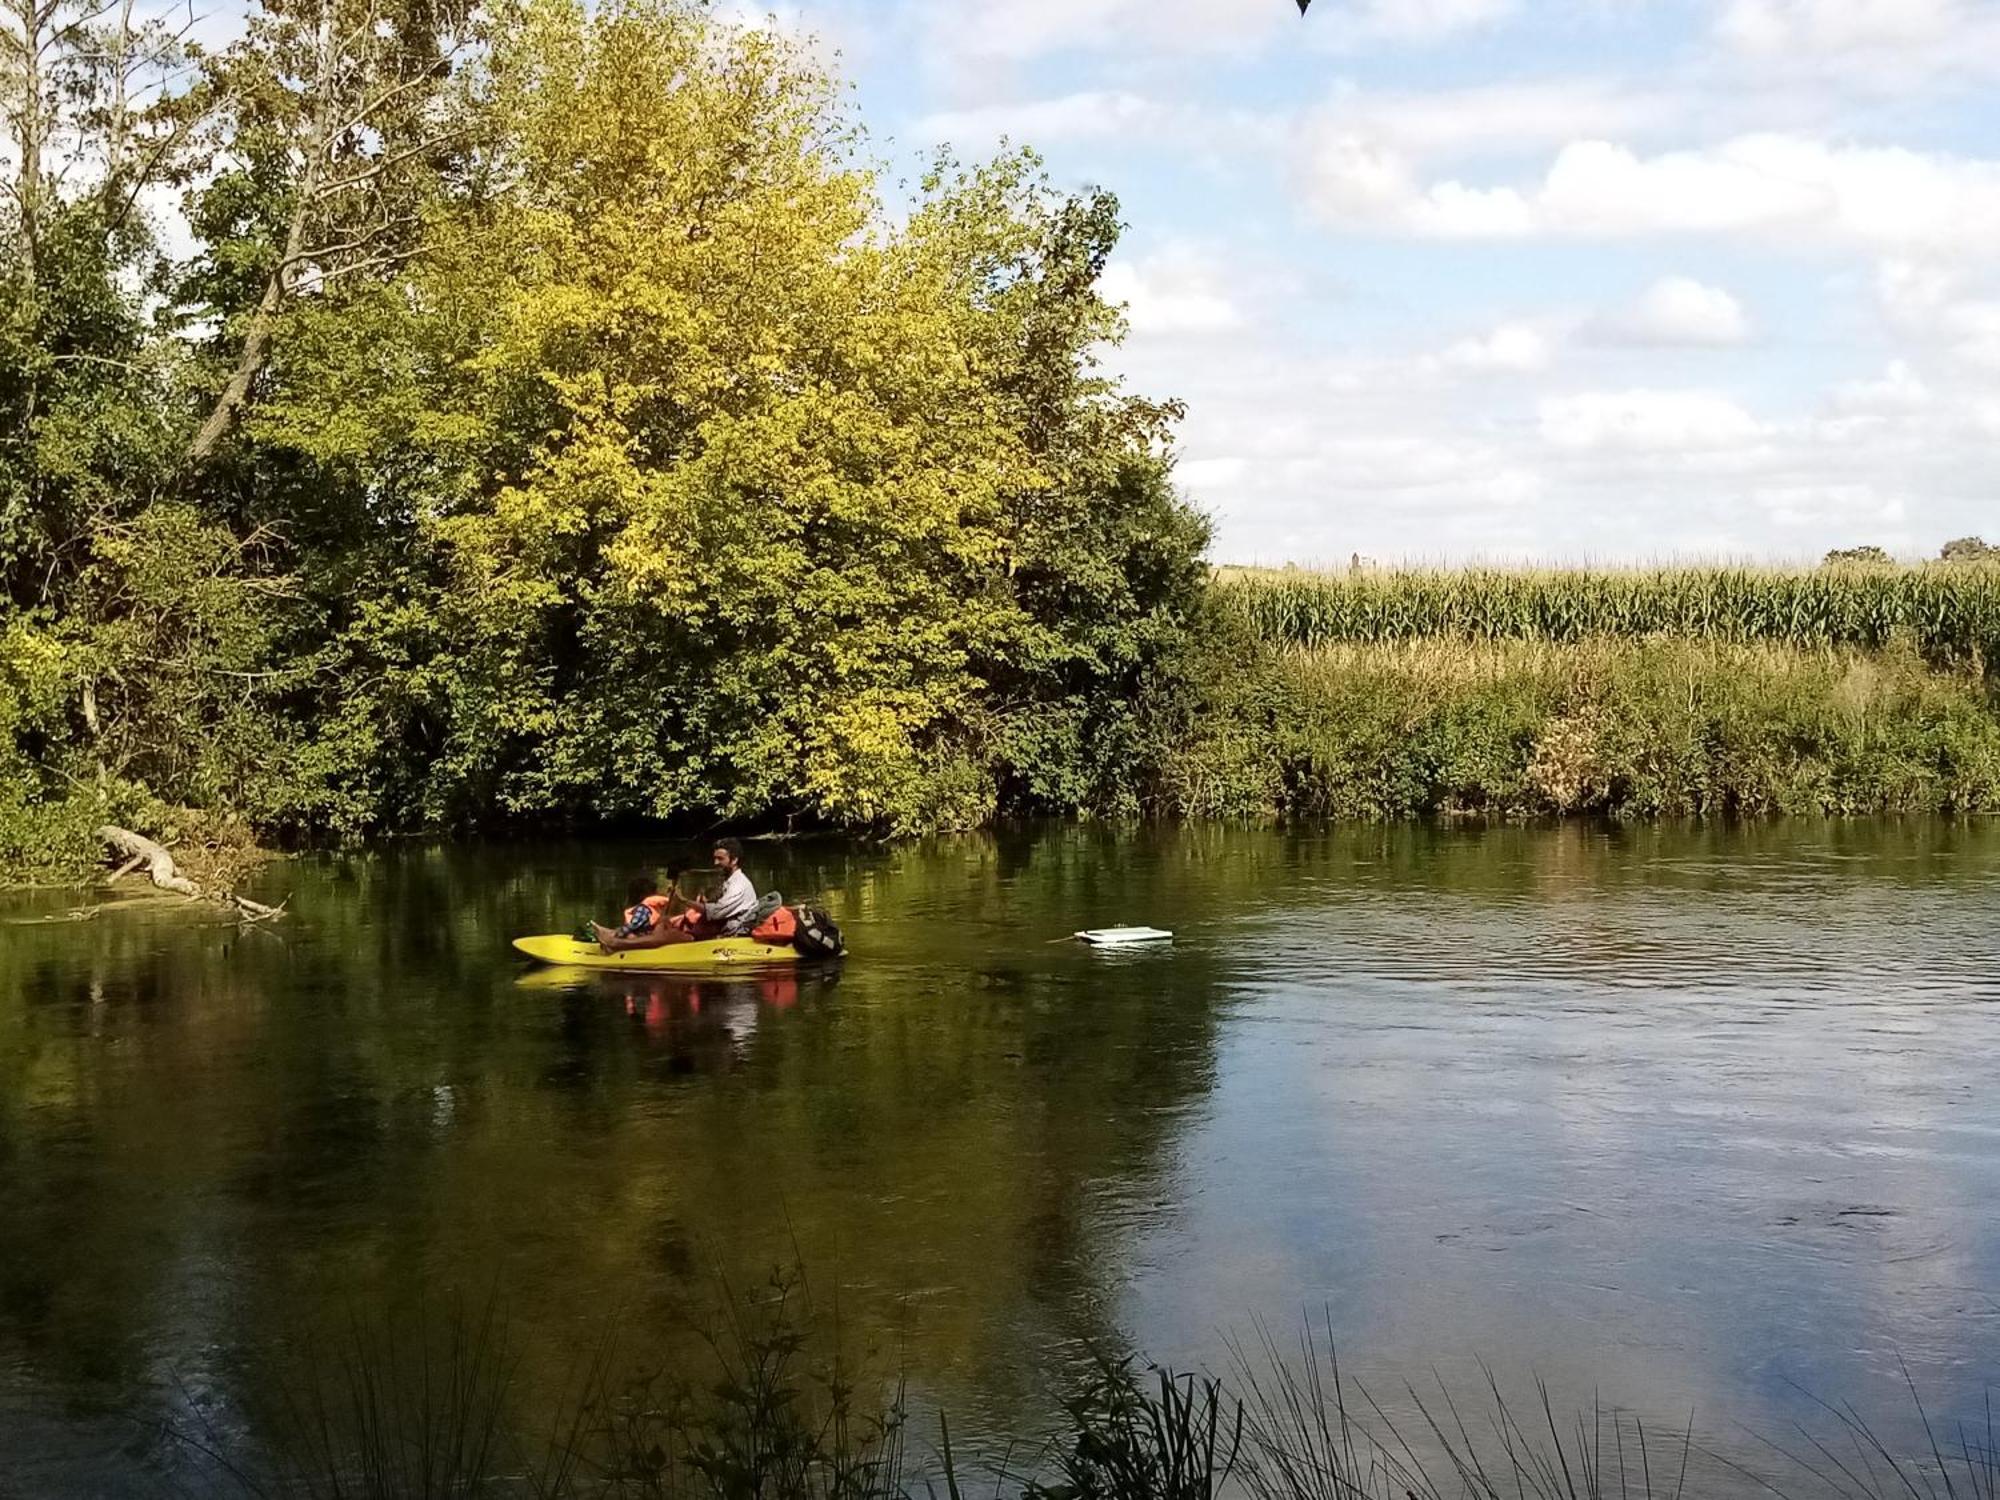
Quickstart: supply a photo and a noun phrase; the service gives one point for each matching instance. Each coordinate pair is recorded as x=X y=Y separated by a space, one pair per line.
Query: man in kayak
x=732 y=912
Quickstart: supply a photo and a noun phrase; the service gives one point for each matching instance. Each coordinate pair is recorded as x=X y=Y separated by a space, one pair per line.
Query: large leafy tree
x=725 y=495
x=552 y=419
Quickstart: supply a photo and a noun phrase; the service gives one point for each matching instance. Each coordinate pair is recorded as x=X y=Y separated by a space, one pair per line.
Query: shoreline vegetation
x=546 y=416
x=1664 y=692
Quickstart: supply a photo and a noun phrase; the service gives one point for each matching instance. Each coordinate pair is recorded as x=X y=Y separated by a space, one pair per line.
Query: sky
x=1570 y=280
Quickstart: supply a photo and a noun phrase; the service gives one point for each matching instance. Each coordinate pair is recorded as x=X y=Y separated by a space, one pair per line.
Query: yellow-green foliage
x=1950 y=612
x=727 y=494
x=40 y=836
x=1627 y=727
x=660 y=470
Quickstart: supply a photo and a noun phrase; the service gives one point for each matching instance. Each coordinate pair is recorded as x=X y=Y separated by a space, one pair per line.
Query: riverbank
x=1630 y=693
x=1288 y=695
x=1646 y=728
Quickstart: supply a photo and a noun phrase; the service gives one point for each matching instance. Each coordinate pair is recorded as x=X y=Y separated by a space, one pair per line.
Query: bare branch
x=97 y=359
x=383 y=164
x=361 y=241
x=372 y=263
x=387 y=97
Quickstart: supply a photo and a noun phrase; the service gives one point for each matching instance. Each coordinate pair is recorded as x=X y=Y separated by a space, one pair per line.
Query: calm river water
x=1689 y=1120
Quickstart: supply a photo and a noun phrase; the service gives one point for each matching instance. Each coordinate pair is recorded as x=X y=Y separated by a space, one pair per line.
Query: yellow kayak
x=721 y=953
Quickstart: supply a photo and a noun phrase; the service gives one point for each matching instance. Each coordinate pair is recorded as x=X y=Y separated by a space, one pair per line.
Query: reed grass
x=1627 y=727
x=1948 y=612
x=399 y=1419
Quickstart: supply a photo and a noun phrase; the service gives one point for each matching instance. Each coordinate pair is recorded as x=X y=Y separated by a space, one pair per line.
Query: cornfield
x=1951 y=614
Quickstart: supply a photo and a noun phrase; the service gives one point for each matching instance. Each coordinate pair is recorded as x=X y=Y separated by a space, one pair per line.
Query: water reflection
x=1691 y=1117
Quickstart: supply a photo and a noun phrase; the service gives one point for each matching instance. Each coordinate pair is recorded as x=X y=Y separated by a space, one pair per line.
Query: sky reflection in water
x=1690 y=1119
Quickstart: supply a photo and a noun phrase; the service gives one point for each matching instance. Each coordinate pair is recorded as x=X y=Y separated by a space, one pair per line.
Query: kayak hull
x=719 y=953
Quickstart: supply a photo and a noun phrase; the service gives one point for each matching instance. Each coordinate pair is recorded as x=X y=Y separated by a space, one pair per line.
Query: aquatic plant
x=417 y=1418
x=1167 y=1437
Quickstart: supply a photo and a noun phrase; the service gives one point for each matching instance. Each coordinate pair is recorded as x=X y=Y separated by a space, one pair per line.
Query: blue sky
x=1455 y=279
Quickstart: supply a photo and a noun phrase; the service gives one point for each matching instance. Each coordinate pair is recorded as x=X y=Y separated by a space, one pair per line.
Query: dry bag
x=816 y=936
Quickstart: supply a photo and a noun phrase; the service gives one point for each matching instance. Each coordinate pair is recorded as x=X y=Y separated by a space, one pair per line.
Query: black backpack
x=816 y=937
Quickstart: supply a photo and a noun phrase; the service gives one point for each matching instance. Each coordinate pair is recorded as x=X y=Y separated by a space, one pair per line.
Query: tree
x=89 y=107
x=724 y=495
x=552 y=421
x=1859 y=556
x=1969 y=549
x=335 y=129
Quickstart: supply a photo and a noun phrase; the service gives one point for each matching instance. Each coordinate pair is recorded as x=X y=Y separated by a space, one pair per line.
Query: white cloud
x=1177 y=291
x=1099 y=115
x=1344 y=27
x=1677 y=310
x=1788 y=188
x=1312 y=456
x=1942 y=308
x=1519 y=348
x=1070 y=117
x=1820 y=507
x=1864 y=49
x=1897 y=392
x=1785 y=28
x=1025 y=30
x=1445 y=123
x=1646 y=421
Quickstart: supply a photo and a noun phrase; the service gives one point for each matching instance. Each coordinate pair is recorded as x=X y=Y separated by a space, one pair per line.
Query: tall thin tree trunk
x=30 y=133
x=263 y=319
x=256 y=345
x=121 y=101
x=34 y=16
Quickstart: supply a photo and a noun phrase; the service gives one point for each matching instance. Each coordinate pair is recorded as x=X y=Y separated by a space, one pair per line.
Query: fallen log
x=164 y=873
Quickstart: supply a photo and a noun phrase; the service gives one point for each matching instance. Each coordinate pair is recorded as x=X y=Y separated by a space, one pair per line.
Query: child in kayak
x=646 y=917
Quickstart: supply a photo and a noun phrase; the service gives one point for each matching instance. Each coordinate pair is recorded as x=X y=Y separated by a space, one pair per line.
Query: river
x=1682 y=1120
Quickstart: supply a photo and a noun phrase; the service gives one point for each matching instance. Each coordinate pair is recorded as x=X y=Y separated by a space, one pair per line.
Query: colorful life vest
x=657 y=905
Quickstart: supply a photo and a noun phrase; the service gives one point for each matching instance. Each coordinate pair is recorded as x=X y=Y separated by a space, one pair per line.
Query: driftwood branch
x=164 y=873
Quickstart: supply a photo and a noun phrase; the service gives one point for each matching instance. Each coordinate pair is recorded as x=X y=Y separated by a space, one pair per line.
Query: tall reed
x=440 y=1419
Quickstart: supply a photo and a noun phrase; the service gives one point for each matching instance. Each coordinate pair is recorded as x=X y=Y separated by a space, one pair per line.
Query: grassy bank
x=1651 y=692
x=1603 y=725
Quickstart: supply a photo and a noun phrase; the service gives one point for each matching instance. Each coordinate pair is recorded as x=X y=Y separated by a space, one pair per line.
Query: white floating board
x=1120 y=937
